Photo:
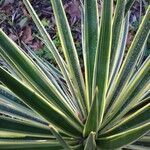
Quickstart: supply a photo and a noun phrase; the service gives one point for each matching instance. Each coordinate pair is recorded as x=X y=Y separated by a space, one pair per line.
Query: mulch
x=17 y=23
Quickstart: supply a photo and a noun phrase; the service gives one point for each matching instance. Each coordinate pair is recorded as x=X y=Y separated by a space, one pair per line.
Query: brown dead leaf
x=13 y=37
x=36 y=45
x=129 y=39
x=8 y=9
x=7 y=2
x=25 y=12
x=73 y=9
x=26 y=35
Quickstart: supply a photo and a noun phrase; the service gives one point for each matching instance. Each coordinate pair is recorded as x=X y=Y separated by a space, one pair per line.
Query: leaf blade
x=116 y=34
x=35 y=76
x=92 y=122
x=103 y=56
x=127 y=68
x=70 y=53
x=51 y=47
x=59 y=138
x=124 y=138
x=130 y=95
x=90 y=29
x=38 y=103
x=90 y=142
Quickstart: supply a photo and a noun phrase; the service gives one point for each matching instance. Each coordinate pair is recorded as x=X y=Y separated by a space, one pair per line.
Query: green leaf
x=137 y=147
x=70 y=53
x=23 y=22
x=35 y=76
x=92 y=122
x=56 y=77
x=143 y=143
x=121 y=51
x=138 y=85
x=90 y=142
x=15 y=70
x=20 y=112
x=29 y=144
x=129 y=5
x=54 y=107
x=102 y=56
x=51 y=47
x=140 y=117
x=23 y=126
x=128 y=67
x=90 y=41
x=59 y=138
x=116 y=34
x=11 y=105
x=40 y=105
x=139 y=105
x=17 y=135
x=78 y=147
x=53 y=75
x=5 y=93
x=123 y=138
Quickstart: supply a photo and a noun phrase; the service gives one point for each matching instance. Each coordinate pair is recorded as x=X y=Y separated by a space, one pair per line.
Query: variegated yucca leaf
x=105 y=105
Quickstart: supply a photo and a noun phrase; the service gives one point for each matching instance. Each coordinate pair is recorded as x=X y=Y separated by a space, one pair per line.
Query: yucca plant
x=106 y=105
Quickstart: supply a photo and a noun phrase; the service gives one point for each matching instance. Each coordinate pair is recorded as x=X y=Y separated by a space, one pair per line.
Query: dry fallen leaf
x=73 y=9
x=7 y=2
x=26 y=35
x=37 y=44
x=129 y=39
x=13 y=37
